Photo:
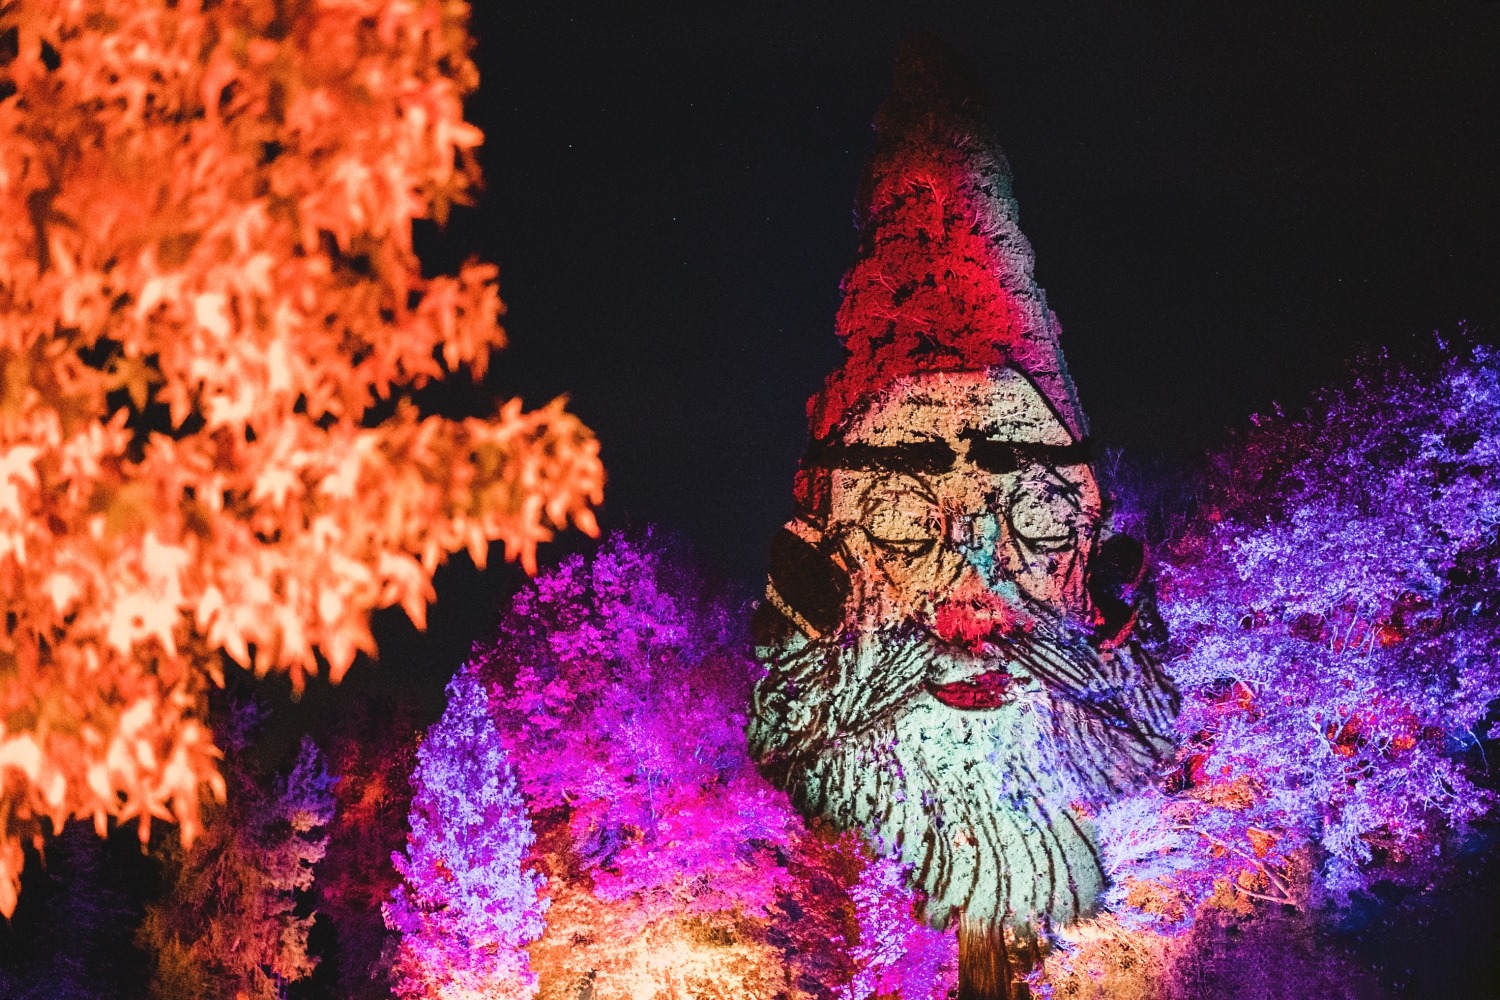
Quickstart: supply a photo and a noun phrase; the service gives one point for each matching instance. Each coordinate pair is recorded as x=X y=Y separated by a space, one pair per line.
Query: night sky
x=1224 y=203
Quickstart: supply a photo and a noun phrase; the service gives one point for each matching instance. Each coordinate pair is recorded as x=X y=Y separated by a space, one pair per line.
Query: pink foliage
x=620 y=683
x=627 y=705
x=896 y=952
x=1333 y=628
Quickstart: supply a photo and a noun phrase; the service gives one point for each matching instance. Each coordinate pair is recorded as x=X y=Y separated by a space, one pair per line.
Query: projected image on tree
x=958 y=657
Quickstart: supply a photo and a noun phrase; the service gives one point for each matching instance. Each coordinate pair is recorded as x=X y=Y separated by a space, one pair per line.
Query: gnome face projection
x=935 y=670
x=962 y=498
x=958 y=651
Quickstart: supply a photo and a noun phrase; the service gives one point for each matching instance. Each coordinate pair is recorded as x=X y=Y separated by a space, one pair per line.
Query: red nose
x=972 y=613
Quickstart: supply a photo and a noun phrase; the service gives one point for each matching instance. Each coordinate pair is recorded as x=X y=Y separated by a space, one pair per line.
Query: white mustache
x=977 y=801
x=1118 y=709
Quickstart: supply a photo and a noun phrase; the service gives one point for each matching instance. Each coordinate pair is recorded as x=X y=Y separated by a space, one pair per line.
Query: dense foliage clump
x=232 y=918
x=467 y=906
x=213 y=326
x=1335 y=631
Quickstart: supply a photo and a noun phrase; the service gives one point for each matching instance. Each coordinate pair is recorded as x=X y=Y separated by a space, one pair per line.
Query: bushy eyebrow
x=1010 y=456
x=933 y=456
x=913 y=457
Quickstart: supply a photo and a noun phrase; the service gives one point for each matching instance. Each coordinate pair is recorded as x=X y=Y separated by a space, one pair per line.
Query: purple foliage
x=467 y=907
x=1333 y=617
x=620 y=684
x=897 y=953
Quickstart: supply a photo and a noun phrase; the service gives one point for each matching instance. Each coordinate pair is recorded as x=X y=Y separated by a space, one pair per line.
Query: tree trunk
x=989 y=967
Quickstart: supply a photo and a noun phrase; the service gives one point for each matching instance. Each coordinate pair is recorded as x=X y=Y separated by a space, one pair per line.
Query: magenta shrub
x=620 y=684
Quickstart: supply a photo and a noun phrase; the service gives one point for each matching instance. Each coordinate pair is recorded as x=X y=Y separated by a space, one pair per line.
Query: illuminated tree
x=372 y=747
x=1334 y=617
x=623 y=682
x=70 y=938
x=1333 y=604
x=960 y=662
x=673 y=867
x=231 y=921
x=896 y=953
x=466 y=908
x=212 y=317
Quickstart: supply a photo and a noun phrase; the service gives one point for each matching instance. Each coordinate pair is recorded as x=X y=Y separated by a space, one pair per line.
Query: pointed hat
x=944 y=276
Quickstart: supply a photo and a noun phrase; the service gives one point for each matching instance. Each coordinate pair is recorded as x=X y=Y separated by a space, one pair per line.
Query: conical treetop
x=944 y=280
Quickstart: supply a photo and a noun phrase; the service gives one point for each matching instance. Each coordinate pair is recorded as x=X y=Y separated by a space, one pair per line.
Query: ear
x=807 y=585
x=1113 y=571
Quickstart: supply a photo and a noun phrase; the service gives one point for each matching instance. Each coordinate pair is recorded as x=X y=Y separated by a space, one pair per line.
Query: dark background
x=1225 y=204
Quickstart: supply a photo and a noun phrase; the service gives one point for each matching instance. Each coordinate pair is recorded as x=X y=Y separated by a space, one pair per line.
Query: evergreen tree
x=70 y=938
x=467 y=907
x=372 y=746
x=232 y=922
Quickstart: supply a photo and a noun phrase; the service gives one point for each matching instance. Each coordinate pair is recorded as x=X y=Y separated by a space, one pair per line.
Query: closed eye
x=998 y=457
x=927 y=457
x=1049 y=543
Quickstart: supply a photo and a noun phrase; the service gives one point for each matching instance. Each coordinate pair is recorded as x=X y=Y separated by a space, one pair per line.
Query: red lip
x=988 y=690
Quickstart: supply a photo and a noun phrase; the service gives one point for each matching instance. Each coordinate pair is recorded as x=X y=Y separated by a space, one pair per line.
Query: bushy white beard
x=979 y=802
x=968 y=801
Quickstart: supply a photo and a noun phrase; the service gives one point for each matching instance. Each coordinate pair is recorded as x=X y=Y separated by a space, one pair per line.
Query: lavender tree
x=1335 y=631
x=467 y=906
